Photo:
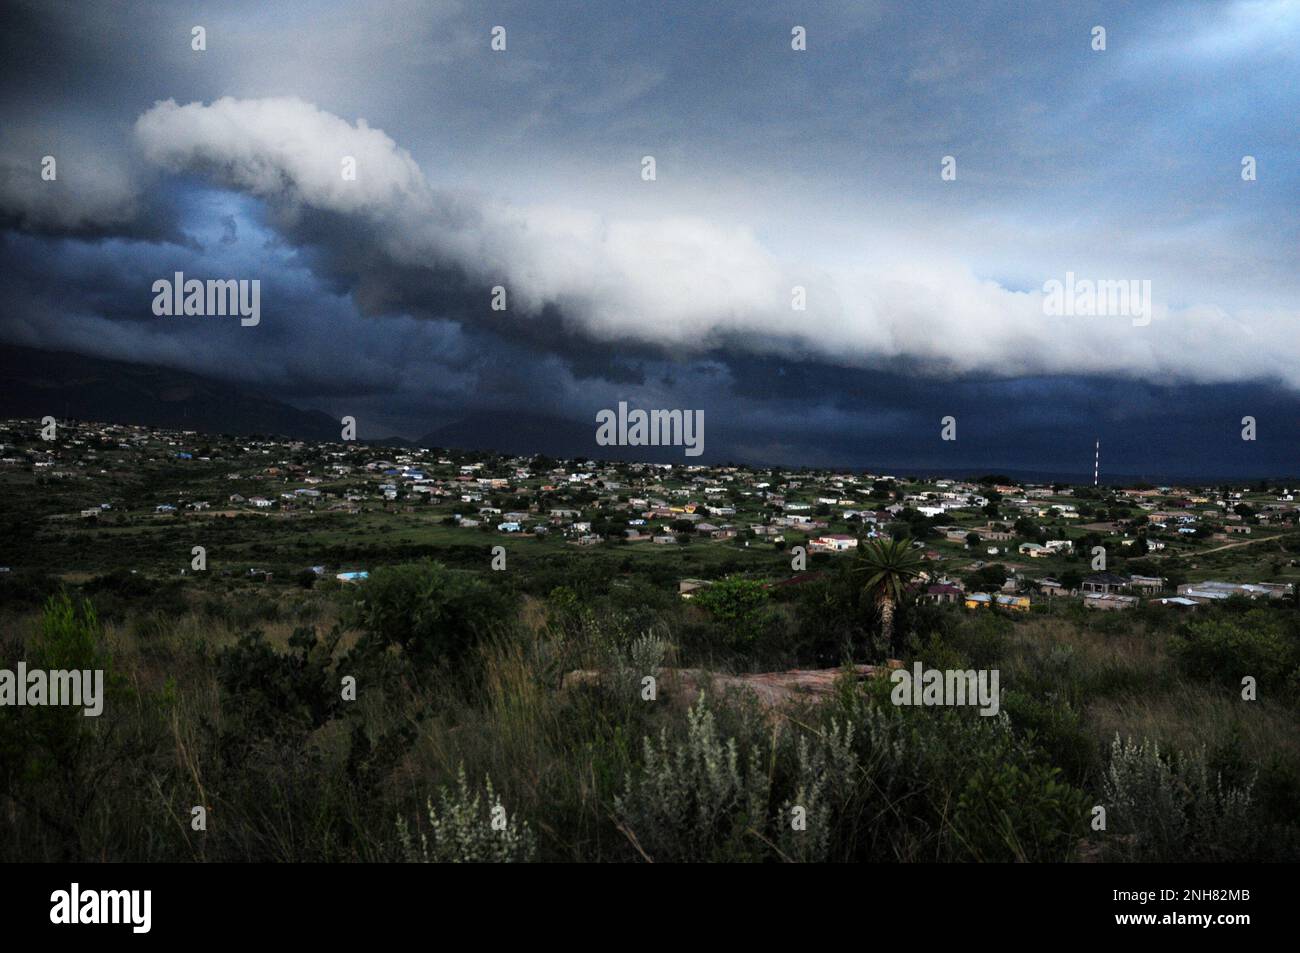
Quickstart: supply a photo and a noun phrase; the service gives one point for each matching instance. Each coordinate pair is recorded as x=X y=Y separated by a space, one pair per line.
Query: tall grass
x=241 y=712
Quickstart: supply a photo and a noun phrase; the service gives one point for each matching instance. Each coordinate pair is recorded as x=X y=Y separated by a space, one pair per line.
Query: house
x=1053 y=587
x=979 y=600
x=688 y=587
x=1104 y=583
x=1277 y=590
x=1148 y=584
x=1210 y=590
x=508 y=527
x=834 y=542
x=1109 y=601
x=943 y=593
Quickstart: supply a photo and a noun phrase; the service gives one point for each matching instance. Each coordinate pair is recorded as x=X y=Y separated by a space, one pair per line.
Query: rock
x=772 y=689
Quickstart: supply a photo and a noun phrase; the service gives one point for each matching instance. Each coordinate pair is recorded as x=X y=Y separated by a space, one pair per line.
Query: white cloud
x=687 y=283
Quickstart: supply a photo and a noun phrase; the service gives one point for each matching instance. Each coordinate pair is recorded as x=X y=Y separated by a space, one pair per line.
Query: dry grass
x=1131 y=688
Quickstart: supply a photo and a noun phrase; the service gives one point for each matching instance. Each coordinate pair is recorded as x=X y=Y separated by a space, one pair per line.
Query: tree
x=434 y=614
x=989 y=577
x=739 y=606
x=884 y=568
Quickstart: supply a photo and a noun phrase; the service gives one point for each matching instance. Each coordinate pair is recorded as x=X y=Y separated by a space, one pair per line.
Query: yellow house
x=978 y=600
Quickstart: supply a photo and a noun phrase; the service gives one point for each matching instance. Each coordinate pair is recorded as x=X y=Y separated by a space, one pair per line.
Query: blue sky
x=775 y=168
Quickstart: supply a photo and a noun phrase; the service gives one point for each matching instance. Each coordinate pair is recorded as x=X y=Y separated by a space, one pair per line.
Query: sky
x=925 y=295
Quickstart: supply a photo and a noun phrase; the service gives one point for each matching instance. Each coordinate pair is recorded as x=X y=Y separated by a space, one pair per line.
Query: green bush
x=1056 y=729
x=740 y=609
x=1011 y=811
x=949 y=785
x=70 y=636
x=1227 y=649
x=434 y=614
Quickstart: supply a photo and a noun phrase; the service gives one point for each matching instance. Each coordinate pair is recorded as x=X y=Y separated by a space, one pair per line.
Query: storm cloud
x=776 y=171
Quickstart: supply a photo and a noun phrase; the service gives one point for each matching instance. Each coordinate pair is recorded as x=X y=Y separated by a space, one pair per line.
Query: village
x=267 y=507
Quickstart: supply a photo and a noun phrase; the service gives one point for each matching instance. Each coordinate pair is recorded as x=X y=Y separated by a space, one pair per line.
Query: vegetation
x=886 y=567
x=247 y=717
x=447 y=709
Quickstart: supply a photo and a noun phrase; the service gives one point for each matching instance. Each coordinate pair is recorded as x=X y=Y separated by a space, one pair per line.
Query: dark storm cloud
x=521 y=170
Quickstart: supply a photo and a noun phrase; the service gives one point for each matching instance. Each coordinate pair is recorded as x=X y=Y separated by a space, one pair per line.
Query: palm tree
x=885 y=567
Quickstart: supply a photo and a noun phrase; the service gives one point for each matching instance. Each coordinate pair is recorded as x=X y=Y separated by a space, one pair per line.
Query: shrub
x=826 y=772
x=1174 y=807
x=1056 y=729
x=1226 y=650
x=949 y=785
x=70 y=636
x=434 y=614
x=695 y=800
x=1013 y=811
x=740 y=608
x=643 y=656
x=469 y=827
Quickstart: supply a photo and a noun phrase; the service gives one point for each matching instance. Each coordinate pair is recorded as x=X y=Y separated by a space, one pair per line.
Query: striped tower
x=1096 y=464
